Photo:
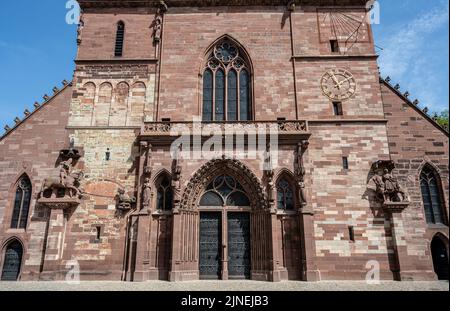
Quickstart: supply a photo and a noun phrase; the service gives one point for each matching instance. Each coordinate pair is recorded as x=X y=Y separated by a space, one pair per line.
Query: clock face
x=338 y=84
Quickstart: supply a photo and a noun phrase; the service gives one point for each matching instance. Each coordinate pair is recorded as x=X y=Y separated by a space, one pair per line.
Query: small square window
x=345 y=164
x=337 y=109
x=165 y=120
x=334 y=45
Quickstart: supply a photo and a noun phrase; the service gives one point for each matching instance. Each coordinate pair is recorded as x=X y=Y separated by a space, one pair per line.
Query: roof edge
x=38 y=107
x=414 y=106
x=209 y=3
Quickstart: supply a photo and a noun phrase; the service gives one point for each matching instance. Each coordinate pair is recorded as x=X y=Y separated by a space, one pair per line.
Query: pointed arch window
x=120 y=36
x=285 y=195
x=22 y=202
x=225 y=190
x=164 y=200
x=227 y=84
x=432 y=196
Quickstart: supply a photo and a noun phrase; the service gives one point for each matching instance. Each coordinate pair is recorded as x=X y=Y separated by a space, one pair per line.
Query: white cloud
x=406 y=56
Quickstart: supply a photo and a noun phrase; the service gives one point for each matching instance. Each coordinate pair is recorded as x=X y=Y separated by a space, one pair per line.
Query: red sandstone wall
x=99 y=33
x=414 y=141
x=32 y=148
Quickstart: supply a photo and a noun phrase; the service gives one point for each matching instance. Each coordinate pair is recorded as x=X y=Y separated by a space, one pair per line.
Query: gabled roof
x=37 y=106
x=199 y=3
x=414 y=105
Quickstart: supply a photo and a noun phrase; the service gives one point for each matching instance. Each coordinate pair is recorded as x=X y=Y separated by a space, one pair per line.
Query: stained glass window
x=285 y=195
x=164 y=200
x=21 y=204
x=431 y=196
x=229 y=97
x=225 y=189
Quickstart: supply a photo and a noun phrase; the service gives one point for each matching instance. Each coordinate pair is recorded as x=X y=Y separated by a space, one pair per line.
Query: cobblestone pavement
x=223 y=286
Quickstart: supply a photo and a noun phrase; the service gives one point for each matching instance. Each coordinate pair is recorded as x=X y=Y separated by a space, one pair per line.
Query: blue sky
x=37 y=49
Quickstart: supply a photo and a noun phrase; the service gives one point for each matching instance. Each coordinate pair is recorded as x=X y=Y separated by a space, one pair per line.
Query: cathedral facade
x=245 y=139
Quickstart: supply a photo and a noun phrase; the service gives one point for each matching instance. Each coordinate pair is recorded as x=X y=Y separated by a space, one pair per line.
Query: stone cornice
x=201 y=3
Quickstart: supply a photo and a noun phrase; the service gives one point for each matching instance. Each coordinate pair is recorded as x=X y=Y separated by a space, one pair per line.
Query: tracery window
x=21 y=203
x=224 y=190
x=164 y=201
x=285 y=195
x=432 y=196
x=226 y=85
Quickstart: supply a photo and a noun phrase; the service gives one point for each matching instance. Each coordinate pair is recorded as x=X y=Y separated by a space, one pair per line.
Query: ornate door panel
x=12 y=262
x=210 y=245
x=239 y=245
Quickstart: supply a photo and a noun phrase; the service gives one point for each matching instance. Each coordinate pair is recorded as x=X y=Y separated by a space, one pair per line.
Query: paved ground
x=224 y=286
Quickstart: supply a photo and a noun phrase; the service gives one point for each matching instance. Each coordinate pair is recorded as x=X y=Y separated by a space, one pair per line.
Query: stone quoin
x=358 y=173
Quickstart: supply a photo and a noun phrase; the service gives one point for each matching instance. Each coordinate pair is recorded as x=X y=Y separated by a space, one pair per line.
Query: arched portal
x=12 y=261
x=225 y=230
x=224 y=225
x=440 y=257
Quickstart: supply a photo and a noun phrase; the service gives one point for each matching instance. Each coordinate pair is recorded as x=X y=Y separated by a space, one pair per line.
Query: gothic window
x=164 y=200
x=12 y=261
x=432 y=196
x=226 y=85
x=224 y=190
x=120 y=35
x=21 y=203
x=285 y=195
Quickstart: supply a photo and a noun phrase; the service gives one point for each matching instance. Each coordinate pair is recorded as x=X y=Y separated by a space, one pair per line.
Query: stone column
x=407 y=271
x=309 y=268
x=184 y=263
x=140 y=255
x=53 y=267
x=275 y=261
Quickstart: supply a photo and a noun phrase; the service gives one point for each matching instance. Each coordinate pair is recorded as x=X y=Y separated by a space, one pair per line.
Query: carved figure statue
x=68 y=181
x=386 y=186
x=146 y=193
x=157 y=29
x=393 y=192
x=301 y=193
x=124 y=200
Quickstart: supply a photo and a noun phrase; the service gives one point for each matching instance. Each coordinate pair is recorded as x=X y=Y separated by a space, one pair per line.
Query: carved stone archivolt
x=216 y=167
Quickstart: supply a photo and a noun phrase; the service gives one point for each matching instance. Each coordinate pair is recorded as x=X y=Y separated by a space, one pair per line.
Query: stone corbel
x=71 y=153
